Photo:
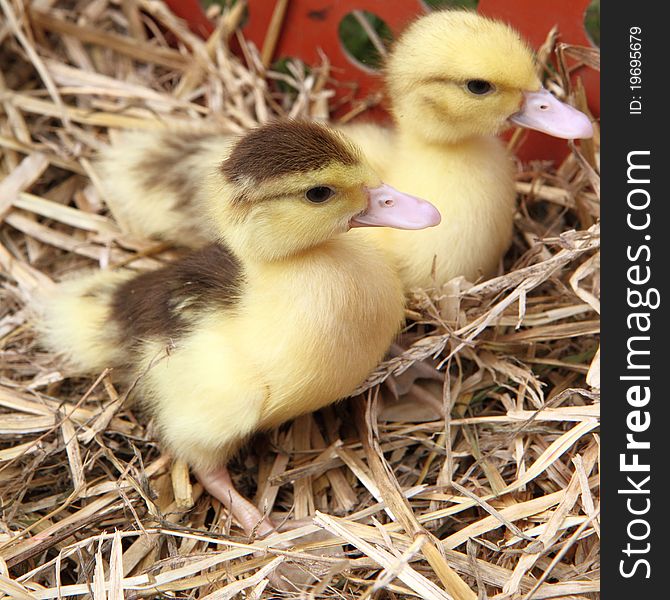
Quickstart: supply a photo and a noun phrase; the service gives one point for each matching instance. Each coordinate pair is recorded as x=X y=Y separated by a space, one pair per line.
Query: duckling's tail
x=74 y=321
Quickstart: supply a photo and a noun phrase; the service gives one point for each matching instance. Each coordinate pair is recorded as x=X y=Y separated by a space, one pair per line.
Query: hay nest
x=470 y=466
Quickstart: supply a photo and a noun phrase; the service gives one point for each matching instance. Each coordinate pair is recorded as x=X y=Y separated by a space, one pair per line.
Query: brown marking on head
x=163 y=167
x=163 y=303
x=286 y=148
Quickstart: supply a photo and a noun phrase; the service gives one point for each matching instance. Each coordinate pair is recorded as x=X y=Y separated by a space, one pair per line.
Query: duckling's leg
x=287 y=577
x=219 y=484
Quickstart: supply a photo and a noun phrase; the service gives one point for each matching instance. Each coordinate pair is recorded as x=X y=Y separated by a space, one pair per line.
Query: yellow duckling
x=284 y=314
x=455 y=80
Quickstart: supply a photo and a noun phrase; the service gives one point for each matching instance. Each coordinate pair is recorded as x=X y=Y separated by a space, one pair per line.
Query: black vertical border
x=622 y=133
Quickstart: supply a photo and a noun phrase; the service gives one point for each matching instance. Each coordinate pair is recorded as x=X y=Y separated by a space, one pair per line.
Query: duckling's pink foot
x=219 y=484
x=288 y=577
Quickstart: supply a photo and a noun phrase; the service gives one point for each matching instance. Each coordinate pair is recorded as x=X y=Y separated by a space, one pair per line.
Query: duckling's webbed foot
x=287 y=577
x=219 y=484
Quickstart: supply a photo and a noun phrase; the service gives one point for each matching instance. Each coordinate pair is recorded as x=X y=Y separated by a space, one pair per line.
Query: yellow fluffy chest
x=319 y=324
x=472 y=185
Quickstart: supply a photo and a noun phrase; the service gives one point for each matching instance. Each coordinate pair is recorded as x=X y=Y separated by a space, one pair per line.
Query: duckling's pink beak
x=387 y=207
x=546 y=113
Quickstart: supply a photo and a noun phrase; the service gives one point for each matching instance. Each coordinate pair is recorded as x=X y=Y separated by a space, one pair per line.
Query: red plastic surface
x=315 y=24
x=310 y=25
x=191 y=11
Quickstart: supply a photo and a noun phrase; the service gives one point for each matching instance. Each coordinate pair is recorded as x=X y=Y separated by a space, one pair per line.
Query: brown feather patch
x=161 y=303
x=163 y=168
x=285 y=148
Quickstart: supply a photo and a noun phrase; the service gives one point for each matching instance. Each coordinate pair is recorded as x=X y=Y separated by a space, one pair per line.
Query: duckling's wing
x=165 y=303
x=101 y=320
x=152 y=182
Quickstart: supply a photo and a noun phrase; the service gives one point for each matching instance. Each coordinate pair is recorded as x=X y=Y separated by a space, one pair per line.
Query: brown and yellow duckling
x=284 y=313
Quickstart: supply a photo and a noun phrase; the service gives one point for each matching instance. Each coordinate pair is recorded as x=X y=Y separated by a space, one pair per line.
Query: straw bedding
x=467 y=467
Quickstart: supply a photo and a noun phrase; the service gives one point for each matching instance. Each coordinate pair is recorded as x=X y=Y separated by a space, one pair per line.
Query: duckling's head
x=292 y=185
x=454 y=74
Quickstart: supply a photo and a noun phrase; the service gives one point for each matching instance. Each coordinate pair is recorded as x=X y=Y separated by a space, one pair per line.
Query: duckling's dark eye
x=479 y=87
x=319 y=194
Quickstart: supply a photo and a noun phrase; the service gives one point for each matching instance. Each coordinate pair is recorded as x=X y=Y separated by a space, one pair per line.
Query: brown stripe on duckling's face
x=286 y=148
